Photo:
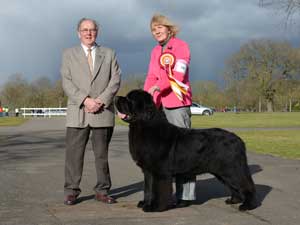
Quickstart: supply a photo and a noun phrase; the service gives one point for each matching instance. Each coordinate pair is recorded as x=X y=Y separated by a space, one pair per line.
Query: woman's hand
x=153 y=89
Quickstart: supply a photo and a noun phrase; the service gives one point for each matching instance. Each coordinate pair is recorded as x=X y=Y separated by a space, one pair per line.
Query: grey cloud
x=34 y=32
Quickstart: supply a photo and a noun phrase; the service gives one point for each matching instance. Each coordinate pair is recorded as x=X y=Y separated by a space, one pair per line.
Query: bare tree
x=288 y=7
x=209 y=94
x=261 y=64
x=58 y=96
x=40 y=92
x=15 y=92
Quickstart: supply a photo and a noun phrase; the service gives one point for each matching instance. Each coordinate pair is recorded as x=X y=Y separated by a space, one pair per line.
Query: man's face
x=87 y=33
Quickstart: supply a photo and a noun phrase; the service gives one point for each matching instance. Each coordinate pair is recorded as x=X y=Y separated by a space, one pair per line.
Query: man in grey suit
x=91 y=78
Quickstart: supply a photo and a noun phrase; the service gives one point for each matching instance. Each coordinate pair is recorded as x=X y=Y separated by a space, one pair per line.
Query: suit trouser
x=76 y=140
x=185 y=185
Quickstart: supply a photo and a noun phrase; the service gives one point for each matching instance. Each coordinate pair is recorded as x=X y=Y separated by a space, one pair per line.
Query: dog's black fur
x=163 y=150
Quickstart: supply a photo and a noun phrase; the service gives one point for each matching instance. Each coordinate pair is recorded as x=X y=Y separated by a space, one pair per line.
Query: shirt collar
x=168 y=45
x=85 y=48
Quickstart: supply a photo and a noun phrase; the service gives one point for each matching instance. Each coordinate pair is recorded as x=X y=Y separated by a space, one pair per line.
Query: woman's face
x=160 y=32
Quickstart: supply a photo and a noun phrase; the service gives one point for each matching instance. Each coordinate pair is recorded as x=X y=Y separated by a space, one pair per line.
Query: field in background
x=279 y=137
x=283 y=143
x=247 y=120
x=267 y=133
x=277 y=134
x=12 y=121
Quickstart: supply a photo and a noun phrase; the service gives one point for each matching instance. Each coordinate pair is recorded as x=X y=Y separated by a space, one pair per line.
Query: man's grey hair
x=84 y=19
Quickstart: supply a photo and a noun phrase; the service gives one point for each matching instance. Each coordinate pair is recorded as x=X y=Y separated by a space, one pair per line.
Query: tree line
x=264 y=75
x=17 y=92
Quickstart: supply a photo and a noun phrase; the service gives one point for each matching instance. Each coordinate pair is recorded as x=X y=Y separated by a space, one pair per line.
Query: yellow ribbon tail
x=177 y=86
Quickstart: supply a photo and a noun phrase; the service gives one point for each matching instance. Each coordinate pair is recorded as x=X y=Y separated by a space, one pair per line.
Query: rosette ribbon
x=167 y=61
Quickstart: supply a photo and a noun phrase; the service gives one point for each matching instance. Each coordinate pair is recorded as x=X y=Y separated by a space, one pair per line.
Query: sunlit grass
x=249 y=120
x=284 y=143
x=241 y=120
x=278 y=142
x=12 y=121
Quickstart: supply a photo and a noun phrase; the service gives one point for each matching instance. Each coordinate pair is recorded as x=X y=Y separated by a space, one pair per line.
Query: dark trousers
x=76 y=140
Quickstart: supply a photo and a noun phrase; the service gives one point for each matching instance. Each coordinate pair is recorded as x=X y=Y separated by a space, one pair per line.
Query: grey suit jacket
x=79 y=83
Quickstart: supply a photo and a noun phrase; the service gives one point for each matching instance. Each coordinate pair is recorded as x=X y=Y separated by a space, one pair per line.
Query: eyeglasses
x=88 y=30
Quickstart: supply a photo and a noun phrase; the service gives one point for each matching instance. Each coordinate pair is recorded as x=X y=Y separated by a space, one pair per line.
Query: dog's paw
x=245 y=207
x=151 y=208
x=148 y=208
x=233 y=200
x=141 y=204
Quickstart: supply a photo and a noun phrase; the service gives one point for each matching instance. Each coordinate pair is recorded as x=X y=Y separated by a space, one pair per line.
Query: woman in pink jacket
x=168 y=82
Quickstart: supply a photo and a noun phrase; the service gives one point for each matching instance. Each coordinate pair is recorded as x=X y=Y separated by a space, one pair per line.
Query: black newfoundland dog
x=163 y=150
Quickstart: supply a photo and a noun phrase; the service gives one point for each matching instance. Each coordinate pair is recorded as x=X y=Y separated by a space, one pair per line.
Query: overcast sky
x=34 y=32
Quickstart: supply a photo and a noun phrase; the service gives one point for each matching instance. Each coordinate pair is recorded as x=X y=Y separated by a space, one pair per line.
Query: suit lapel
x=99 y=57
x=83 y=60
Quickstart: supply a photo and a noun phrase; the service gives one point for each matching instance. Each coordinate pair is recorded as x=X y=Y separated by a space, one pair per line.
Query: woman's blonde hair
x=159 y=19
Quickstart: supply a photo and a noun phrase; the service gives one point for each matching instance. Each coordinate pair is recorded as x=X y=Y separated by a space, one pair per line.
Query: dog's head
x=136 y=105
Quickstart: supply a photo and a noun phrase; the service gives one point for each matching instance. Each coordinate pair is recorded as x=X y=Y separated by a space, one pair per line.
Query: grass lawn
x=250 y=120
x=11 y=121
x=283 y=143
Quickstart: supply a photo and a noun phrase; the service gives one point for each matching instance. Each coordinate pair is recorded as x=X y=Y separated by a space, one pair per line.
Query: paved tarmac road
x=31 y=184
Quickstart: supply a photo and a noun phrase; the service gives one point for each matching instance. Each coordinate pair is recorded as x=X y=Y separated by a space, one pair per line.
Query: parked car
x=197 y=109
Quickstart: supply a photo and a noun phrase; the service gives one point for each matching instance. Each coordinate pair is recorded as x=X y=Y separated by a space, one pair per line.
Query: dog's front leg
x=163 y=194
x=160 y=195
x=148 y=186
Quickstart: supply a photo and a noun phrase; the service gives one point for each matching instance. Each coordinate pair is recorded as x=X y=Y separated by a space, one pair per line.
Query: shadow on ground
x=206 y=189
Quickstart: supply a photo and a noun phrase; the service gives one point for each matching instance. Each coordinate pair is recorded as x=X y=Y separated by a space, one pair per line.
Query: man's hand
x=91 y=105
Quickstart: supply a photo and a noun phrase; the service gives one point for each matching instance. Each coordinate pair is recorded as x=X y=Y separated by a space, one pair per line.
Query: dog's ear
x=143 y=106
x=149 y=103
x=149 y=106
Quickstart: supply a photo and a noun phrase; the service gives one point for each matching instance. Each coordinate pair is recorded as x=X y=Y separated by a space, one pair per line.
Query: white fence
x=43 y=112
